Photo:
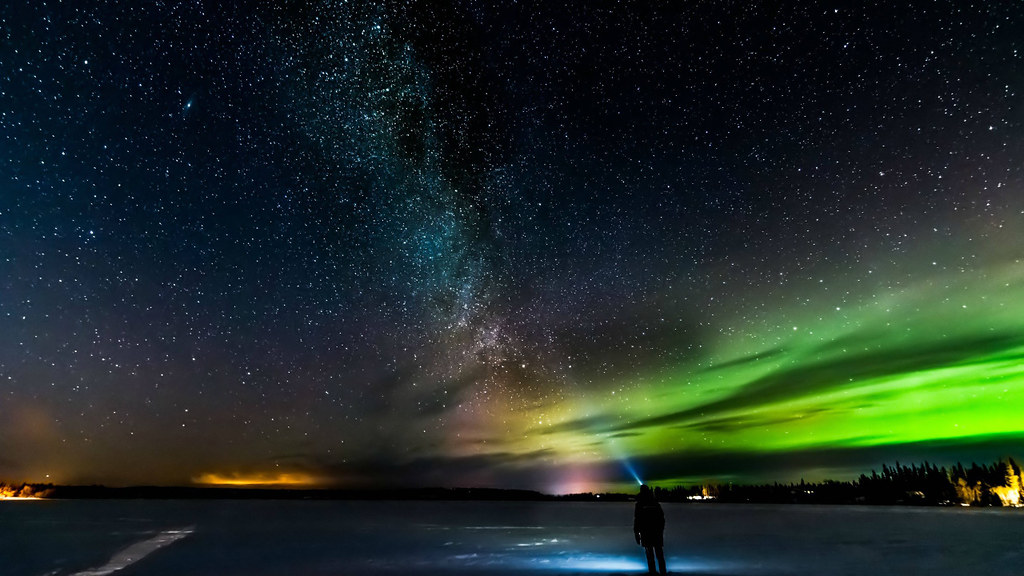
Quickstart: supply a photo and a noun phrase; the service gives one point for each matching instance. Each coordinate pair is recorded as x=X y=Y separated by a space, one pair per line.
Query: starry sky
x=515 y=244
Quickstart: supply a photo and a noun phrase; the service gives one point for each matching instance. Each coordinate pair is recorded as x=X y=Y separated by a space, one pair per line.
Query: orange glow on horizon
x=256 y=480
x=23 y=492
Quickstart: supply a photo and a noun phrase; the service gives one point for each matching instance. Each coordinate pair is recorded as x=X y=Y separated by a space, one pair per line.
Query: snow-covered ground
x=257 y=538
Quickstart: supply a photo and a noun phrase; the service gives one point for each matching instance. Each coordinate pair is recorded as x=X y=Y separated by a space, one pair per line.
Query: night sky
x=510 y=244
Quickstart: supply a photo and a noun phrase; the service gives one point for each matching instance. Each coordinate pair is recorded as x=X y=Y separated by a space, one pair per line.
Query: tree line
x=997 y=484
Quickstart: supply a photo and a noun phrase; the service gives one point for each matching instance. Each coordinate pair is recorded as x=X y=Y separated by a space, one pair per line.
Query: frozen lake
x=320 y=538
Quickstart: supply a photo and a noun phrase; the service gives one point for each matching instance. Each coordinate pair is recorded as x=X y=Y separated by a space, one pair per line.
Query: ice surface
x=263 y=538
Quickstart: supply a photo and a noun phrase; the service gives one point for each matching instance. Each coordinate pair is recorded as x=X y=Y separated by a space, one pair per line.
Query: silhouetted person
x=649 y=527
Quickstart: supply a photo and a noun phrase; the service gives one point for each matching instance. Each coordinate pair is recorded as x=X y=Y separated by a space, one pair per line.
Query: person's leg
x=660 y=551
x=649 y=550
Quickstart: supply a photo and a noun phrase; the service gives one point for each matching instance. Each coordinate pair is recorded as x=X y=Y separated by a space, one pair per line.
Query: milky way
x=512 y=244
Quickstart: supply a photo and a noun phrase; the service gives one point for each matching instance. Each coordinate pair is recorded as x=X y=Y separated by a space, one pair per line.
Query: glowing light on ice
x=136 y=552
x=604 y=564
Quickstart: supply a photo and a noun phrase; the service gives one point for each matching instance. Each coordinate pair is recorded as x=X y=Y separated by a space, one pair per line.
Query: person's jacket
x=648 y=519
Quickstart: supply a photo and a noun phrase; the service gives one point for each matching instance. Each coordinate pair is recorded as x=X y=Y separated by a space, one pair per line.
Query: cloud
x=745 y=360
x=493 y=470
x=545 y=468
x=734 y=424
x=590 y=423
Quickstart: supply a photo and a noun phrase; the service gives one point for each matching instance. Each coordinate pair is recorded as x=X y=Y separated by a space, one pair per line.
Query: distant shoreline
x=997 y=484
x=99 y=492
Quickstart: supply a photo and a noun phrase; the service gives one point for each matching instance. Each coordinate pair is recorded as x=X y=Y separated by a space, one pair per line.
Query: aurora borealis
x=508 y=244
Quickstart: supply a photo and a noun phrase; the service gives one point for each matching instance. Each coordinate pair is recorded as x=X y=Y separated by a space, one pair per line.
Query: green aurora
x=903 y=377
